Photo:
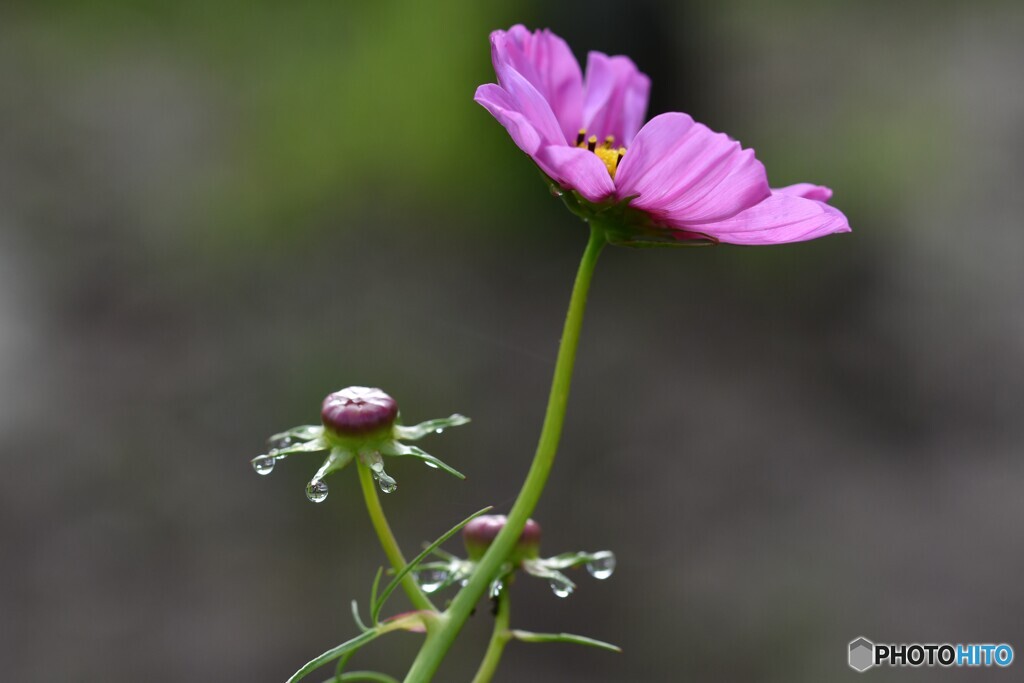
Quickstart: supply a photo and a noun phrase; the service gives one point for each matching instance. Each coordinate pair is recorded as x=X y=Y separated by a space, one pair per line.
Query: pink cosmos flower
x=671 y=178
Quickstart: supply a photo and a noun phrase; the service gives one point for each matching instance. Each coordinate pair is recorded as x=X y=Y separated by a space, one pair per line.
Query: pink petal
x=506 y=110
x=571 y=167
x=685 y=174
x=546 y=61
x=807 y=191
x=532 y=104
x=578 y=169
x=616 y=98
x=779 y=219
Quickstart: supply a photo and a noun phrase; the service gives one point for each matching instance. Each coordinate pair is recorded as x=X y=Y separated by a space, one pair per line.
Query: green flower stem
x=499 y=639
x=434 y=649
x=416 y=595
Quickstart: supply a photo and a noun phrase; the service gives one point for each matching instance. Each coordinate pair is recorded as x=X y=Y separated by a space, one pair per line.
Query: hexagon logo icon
x=862 y=654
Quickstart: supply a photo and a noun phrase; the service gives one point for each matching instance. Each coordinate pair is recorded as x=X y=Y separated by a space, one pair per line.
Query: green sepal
x=316 y=445
x=396 y=448
x=567 y=560
x=302 y=433
x=622 y=225
x=415 y=432
x=337 y=460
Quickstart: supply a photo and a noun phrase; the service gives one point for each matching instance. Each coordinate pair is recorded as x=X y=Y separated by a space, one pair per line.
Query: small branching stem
x=394 y=554
x=499 y=639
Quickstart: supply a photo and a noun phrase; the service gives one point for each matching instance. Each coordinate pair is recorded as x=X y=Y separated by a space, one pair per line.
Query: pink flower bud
x=358 y=411
x=481 y=532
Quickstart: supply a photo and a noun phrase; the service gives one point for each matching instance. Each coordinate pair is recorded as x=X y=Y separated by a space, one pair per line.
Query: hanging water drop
x=602 y=565
x=495 y=590
x=386 y=483
x=556 y=191
x=316 y=491
x=264 y=464
x=439 y=430
x=281 y=441
x=431 y=580
x=561 y=586
x=432 y=465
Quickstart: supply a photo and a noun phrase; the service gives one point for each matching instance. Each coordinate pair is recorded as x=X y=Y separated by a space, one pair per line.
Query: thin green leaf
x=444 y=554
x=373 y=588
x=333 y=653
x=390 y=588
x=530 y=637
x=358 y=619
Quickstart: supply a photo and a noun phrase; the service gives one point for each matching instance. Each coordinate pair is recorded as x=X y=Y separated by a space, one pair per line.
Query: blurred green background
x=213 y=214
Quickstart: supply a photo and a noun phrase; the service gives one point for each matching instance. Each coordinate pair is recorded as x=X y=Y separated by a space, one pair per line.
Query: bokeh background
x=213 y=214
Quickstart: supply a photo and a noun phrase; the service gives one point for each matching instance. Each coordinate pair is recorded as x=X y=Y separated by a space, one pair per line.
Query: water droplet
x=264 y=464
x=556 y=191
x=316 y=491
x=495 y=590
x=428 y=463
x=386 y=483
x=603 y=564
x=561 y=587
x=431 y=580
x=439 y=430
x=464 y=583
x=279 y=442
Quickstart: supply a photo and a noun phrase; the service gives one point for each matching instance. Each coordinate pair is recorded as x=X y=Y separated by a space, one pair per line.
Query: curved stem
x=499 y=639
x=434 y=650
x=364 y=676
x=416 y=595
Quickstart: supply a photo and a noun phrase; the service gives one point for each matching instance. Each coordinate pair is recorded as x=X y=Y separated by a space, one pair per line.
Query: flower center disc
x=606 y=151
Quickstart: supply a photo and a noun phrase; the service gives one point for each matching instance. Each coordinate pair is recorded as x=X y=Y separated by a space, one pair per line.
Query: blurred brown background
x=211 y=216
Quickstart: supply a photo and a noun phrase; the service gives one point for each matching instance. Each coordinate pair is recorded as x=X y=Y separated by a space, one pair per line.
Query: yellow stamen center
x=606 y=152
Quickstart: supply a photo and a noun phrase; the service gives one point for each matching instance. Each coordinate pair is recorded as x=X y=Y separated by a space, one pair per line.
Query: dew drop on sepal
x=602 y=565
x=386 y=483
x=497 y=586
x=560 y=587
x=431 y=579
x=316 y=491
x=264 y=464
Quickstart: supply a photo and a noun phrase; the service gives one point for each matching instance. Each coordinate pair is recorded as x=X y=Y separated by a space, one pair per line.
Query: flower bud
x=481 y=532
x=358 y=412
